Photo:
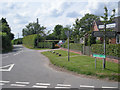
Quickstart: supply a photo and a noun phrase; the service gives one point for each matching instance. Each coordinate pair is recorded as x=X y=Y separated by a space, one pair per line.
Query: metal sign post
x=68 y=33
x=68 y=46
x=104 y=34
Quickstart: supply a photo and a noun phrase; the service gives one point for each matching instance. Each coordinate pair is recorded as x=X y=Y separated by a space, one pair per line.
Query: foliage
x=57 y=31
x=7 y=36
x=111 y=49
x=74 y=46
x=33 y=28
x=83 y=25
x=17 y=41
x=84 y=65
x=31 y=40
x=50 y=45
x=91 y=40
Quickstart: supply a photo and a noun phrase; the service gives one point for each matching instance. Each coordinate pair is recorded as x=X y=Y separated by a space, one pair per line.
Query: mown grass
x=84 y=65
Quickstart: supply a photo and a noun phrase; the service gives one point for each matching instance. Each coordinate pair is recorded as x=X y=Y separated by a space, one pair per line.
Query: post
x=18 y=35
x=95 y=62
x=68 y=46
x=104 y=60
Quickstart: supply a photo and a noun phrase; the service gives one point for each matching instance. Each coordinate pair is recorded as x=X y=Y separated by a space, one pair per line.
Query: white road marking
x=63 y=85
x=86 y=86
x=47 y=84
x=35 y=86
x=9 y=69
x=19 y=85
x=1 y=84
x=109 y=87
x=4 y=81
x=23 y=82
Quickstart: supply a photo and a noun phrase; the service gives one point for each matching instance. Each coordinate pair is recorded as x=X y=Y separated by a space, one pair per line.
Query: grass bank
x=84 y=65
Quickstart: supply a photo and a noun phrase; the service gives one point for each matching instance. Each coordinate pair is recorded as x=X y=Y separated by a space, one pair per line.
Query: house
x=113 y=26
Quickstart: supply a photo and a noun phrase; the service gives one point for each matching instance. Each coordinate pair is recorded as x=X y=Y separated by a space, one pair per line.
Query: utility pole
x=18 y=35
x=104 y=60
x=68 y=46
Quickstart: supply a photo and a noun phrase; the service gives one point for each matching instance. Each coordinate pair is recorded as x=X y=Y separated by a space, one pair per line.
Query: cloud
x=73 y=14
x=50 y=12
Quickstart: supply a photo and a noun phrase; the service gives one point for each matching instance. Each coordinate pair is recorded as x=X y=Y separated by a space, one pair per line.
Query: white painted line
x=19 y=85
x=4 y=81
x=47 y=84
x=35 y=86
x=1 y=84
x=109 y=87
x=23 y=82
x=63 y=85
x=9 y=69
x=87 y=86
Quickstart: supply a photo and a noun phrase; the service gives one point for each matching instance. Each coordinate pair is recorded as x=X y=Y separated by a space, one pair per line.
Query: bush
x=50 y=45
x=17 y=41
x=30 y=41
x=74 y=46
x=6 y=43
x=111 y=49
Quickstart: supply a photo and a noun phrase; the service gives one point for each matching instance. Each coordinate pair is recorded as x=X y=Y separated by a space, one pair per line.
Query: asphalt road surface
x=26 y=68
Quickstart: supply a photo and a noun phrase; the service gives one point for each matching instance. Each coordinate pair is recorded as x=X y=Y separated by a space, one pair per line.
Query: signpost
x=101 y=33
x=104 y=34
x=98 y=55
x=68 y=33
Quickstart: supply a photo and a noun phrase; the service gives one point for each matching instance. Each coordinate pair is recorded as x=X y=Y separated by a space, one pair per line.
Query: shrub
x=17 y=41
x=30 y=41
x=74 y=46
x=50 y=45
x=111 y=49
x=6 y=43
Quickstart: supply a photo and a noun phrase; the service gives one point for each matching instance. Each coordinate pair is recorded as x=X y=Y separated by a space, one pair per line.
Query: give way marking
x=7 y=67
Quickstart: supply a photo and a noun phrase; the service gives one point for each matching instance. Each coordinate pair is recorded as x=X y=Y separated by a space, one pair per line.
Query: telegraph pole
x=104 y=60
x=18 y=35
x=68 y=46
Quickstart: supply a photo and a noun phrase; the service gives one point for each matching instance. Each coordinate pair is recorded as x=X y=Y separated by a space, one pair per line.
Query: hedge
x=111 y=49
x=74 y=46
x=30 y=41
x=17 y=41
x=50 y=45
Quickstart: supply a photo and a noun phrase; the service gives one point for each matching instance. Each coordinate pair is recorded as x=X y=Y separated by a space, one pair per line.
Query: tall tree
x=57 y=31
x=6 y=34
x=84 y=25
x=33 y=28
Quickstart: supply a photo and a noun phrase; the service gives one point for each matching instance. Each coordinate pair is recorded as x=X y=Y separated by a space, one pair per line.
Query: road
x=26 y=68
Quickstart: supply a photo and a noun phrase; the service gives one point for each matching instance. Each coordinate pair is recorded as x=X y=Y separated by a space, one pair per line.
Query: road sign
x=99 y=55
x=101 y=33
x=68 y=33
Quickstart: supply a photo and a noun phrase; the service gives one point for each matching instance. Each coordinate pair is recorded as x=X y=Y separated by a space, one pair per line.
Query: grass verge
x=84 y=65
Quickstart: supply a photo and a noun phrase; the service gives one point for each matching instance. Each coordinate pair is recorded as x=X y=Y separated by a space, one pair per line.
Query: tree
x=106 y=21
x=57 y=31
x=84 y=25
x=33 y=28
x=7 y=36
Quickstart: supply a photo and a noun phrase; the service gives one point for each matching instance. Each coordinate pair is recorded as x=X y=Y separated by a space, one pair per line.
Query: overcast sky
x=50 y=12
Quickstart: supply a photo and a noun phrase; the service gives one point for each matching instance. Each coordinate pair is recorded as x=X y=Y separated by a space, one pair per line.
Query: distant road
x=26 y=68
